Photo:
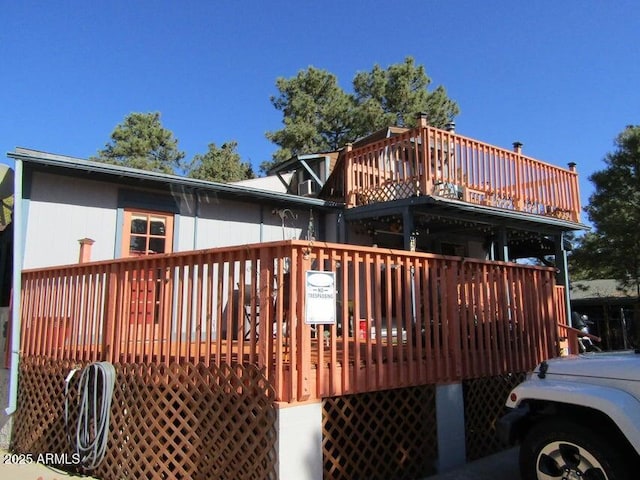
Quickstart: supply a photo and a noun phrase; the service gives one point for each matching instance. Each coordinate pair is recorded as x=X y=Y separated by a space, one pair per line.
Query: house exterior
x=105 y=203
x=420 y=229
x=612 y=309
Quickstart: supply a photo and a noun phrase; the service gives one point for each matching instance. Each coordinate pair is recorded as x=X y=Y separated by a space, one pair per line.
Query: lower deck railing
x=402 y=318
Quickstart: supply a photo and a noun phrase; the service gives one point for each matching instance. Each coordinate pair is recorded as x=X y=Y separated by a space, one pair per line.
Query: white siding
x=223 y=223
x=183 y=232
x=63 y=210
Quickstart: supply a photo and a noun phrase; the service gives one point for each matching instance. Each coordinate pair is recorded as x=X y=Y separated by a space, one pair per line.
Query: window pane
x=156 y=245
x=138 y=224
x=157 y=226
x=138 y=244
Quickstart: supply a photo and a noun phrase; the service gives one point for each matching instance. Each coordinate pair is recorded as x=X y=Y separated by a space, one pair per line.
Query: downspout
x=261 y=223
x=16 y=317
x=196 y=193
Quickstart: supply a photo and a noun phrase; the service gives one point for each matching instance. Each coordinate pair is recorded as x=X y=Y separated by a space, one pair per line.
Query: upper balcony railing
x=430 y=161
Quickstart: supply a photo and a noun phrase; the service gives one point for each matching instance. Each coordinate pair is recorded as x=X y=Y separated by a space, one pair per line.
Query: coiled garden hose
x=95 y=392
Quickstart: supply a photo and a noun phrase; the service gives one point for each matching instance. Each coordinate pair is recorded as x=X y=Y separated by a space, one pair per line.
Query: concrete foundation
x=300 y=442
x=451 y=431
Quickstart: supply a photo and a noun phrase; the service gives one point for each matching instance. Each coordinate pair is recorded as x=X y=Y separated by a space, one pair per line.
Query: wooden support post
x=297 y=292
x=348 y=179
x=110 y=331
x=575 y=193
x=503 y=247
x=422 y=120
x=425 y=180
x=518 y=200
x=407 y=228
x=562 y=277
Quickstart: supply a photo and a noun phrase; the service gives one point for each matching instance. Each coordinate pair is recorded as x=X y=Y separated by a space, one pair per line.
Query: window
x=146 y=233
x=453 y=249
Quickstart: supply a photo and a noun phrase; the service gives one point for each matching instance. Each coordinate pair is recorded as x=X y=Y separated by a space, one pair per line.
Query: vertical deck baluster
x=190 y=271
x=479 y=319
x=93 y=346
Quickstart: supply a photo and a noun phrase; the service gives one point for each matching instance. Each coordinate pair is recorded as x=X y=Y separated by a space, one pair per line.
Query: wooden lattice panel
x=39 y=425
x=177 y=422
x=386 y=435
x=484 y=400
x=392 y=190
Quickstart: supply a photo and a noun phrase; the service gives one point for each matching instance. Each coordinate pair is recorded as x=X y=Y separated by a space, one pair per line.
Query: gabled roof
x=294 y=162
x=381 y=134
x=271 y=183
x=72 y=166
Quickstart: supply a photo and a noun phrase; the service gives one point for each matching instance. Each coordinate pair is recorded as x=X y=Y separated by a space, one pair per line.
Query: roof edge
x=90 y=166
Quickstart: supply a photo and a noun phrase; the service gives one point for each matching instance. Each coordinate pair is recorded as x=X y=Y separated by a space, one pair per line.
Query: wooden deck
x=430 y=161
x=449 y=318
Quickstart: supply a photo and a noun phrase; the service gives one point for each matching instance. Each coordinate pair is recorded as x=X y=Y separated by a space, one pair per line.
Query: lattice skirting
x=178 y=422
x=484 y=400
x=386 y=435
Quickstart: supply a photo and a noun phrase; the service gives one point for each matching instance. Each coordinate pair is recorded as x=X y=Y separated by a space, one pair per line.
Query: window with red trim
x=146 y=233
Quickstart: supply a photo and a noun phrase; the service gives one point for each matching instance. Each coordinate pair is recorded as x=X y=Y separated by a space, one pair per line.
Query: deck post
x=425 y=180
x=109 y=337
x=348 y=178
x=518 y=200
x=297 y=293
x=575 y=193
x=503 y=245
x=450 y=426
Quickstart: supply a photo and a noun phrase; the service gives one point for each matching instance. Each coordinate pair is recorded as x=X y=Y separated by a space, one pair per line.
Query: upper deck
x=429 y=161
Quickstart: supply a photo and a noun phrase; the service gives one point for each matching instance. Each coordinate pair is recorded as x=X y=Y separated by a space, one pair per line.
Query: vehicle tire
x=561 y=449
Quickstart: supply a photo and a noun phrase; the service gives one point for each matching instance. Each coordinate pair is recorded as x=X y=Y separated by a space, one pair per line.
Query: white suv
x=577 y=417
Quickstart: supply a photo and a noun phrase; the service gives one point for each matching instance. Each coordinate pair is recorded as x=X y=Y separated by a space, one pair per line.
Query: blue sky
x=561 y=77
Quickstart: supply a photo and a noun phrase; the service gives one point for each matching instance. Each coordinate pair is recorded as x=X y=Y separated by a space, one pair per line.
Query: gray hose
x=95 y=391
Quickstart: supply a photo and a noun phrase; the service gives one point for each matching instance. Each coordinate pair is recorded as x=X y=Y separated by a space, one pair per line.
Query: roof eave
x=62 y=161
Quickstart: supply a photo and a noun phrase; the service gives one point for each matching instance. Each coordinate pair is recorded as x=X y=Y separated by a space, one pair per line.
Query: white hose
x=95 y=391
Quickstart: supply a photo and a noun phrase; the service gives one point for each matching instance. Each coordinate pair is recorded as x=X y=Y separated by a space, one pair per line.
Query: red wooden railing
x=403 y=318
x=429 y=161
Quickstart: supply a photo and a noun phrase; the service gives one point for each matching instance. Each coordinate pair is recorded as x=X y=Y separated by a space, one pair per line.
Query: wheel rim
x=568 y=461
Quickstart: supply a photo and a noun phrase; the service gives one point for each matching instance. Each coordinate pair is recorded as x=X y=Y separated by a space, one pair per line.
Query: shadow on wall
x=5 y=420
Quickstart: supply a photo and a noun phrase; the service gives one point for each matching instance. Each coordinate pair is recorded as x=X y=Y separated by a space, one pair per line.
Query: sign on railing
x=320 y=298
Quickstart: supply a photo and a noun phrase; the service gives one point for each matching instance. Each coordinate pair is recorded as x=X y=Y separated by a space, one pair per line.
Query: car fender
x=621 y=407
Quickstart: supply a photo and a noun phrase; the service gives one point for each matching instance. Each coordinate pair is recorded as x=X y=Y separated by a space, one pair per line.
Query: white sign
x=320 y=298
